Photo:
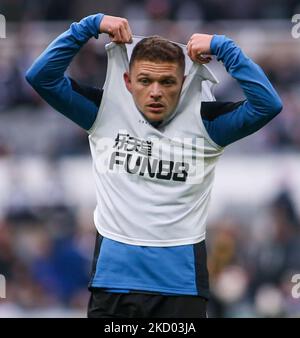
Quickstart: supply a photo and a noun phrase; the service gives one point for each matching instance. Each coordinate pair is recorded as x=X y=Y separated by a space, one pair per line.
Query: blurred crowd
x=207 y=10
x=252 y=261
x=19 y=102
x=46 y=250
x=46 y=256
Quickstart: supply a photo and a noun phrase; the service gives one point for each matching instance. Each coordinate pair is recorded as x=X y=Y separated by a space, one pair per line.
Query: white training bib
x=153 y=185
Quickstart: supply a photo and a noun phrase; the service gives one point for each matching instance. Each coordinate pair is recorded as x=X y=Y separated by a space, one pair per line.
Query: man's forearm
x=47 y=77
x=52 y=63
x=262 y=104
x=257 y=88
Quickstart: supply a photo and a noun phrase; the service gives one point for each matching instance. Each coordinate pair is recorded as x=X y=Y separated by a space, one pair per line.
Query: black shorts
x=143 y=305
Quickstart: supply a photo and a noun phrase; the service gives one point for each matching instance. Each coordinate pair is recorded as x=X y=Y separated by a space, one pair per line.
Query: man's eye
x=144 y=81
x=168 y=82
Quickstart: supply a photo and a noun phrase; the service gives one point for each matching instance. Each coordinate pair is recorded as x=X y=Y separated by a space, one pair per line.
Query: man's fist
x=198 y=48
x=117 y=28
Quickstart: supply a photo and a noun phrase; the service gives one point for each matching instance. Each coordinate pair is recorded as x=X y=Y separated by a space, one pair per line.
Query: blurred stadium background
x=46 y=187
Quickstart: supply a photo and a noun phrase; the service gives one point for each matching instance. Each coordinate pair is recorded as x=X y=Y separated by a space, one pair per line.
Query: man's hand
x=198 y=48
x=117 y=28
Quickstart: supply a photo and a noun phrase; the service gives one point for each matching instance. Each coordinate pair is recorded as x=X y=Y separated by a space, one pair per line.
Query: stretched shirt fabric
x=169 y=268
x=153 y=184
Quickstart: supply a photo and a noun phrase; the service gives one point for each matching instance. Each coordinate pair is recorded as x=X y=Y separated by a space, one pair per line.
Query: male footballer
x=156 y=133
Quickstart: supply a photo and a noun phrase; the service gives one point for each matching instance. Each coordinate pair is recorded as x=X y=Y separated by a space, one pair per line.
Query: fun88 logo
x=2 y=27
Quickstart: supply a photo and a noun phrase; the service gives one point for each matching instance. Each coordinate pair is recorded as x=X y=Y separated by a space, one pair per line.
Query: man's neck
x=155 y=124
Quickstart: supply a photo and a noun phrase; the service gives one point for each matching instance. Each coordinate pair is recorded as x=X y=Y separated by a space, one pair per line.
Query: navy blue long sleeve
x=262 y=102
x=47 y=74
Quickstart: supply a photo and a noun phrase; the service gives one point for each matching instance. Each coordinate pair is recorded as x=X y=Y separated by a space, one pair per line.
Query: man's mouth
x=156 y=107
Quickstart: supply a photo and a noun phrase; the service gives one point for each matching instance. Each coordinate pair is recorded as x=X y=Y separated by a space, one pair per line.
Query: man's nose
x=155 y=91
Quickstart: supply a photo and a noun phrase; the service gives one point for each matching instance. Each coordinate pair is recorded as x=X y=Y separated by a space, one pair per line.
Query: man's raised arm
x=262 y=103
x=47 y=74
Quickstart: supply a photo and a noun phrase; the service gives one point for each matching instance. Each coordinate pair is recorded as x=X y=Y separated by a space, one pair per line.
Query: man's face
x=155 y=87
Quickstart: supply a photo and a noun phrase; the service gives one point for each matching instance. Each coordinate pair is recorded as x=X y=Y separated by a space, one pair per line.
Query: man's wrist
x=214 y=43
x=91 y=25
x=96 y=19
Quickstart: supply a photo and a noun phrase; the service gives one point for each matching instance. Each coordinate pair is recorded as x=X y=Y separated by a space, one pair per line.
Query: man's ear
x=127 y=80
